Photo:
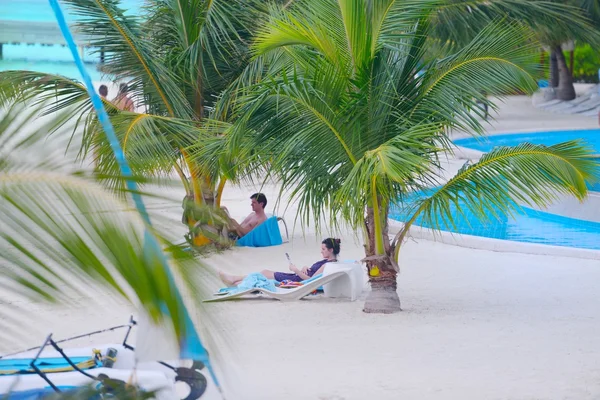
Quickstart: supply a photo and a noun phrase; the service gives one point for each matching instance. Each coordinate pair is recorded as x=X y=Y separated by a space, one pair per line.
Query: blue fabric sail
x=264 y=235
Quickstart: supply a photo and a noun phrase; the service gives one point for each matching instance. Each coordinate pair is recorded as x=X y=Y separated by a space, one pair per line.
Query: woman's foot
x=227 y=279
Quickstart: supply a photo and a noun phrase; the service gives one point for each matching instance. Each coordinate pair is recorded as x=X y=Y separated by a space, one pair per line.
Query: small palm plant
x=353 y=113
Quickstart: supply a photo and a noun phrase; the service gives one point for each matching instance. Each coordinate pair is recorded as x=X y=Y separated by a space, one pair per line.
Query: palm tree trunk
x=571 y=61
x=565 y=90
x=554 y=80
x=383 y=298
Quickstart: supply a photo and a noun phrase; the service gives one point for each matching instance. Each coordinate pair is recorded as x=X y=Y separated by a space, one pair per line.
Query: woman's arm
x=320 y=270
x=298 y=272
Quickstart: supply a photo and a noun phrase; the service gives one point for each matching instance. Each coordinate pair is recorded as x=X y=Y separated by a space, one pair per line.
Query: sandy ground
x=476 y=324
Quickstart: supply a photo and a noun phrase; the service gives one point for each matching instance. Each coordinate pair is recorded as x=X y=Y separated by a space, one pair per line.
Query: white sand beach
x=475 y=324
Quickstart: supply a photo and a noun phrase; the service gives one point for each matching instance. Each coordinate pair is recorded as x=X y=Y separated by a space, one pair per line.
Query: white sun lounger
x=338 y=280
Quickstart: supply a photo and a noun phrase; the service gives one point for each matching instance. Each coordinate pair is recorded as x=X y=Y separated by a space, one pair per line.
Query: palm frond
x=291 y=28
x=62 y=235
x=204 y=43
x=496 y=62
x=458 y=21
x=404 y=164
x=152 y=144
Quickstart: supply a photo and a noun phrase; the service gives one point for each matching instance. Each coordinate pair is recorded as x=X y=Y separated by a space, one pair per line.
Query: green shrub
x=586 y=64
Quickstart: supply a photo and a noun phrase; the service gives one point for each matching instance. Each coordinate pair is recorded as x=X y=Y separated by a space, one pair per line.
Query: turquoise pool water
x=485 y=144
x=527 y=225
x=48 y=59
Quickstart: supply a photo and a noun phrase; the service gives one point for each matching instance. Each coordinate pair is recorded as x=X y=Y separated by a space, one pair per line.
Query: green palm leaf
x=62 y=235
x=458 y=22
x=497 y=61
x=151 y=144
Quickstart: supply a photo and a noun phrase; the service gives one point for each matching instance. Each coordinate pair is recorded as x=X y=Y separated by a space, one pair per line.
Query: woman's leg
x=231 y=280
x=234 y=280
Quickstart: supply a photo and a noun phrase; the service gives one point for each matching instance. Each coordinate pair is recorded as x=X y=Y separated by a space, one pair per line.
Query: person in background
x=103 y=91
x=123 y=101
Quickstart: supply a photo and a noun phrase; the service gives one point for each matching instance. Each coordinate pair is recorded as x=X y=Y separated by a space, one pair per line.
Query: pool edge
x=491 y=244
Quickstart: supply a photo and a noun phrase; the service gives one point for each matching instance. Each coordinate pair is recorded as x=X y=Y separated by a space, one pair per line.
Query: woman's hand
x=305 y=270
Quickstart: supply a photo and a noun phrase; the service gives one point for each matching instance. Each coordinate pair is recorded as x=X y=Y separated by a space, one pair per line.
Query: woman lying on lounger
x=330 y=248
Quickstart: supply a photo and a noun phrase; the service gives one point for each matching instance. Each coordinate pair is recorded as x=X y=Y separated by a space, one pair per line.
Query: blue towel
x=258 y=280
x=312 y=278
x=265 y=234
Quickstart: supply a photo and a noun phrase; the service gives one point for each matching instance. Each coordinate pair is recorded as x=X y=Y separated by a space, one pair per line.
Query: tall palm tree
x=353 y=114
x=177 y=58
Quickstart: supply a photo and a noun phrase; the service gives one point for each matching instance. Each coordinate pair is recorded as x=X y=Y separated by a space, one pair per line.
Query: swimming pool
x=527 y=225
x=47 y=59
x=487 y=143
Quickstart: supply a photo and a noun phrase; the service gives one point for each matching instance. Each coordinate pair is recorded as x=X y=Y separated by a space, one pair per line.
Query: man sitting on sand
x=256 y=217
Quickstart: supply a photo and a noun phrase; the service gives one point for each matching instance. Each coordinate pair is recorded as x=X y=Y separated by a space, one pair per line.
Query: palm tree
x=177 y=59
x=554 y=37
x=353 y=113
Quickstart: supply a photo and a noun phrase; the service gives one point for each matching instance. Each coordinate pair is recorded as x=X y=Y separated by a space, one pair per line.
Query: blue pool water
x=527 y=225
x=48 y=59
x=485 y=144
x=589 y=136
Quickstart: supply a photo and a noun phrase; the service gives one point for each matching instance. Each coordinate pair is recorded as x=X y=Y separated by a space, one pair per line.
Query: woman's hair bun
x=333 y=244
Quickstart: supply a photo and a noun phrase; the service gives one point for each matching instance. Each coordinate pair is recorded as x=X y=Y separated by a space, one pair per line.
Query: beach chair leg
x=287 y=235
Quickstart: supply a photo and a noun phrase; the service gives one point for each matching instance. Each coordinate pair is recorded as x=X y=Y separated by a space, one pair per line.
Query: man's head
x=259 y=202
x=103 y=90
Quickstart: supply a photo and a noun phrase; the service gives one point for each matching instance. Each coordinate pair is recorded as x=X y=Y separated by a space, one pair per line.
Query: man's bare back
x=124 y=103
